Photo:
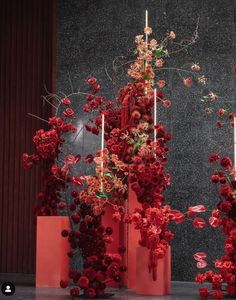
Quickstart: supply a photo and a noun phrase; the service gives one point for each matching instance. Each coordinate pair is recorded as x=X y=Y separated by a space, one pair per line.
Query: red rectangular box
x=52 y=261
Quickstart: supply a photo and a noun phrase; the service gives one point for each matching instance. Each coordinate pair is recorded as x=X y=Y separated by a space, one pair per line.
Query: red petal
x=199 y=223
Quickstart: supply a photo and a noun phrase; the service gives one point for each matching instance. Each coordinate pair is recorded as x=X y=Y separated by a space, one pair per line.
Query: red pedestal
x=145 y=285
x=52 y=262
x=132 y=243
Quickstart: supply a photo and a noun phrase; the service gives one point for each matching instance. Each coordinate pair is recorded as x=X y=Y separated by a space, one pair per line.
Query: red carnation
x=226 y=162
x=66 y=101
x=89 y=293
x=199 y=223
x=83 y=282
x=64 y=284
x=74 y=292
x=69 y=113
x=217 y=294
x=204 y=292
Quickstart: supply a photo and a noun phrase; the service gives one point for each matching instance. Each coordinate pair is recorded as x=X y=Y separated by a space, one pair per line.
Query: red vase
x=145 y=285
x=52 y=261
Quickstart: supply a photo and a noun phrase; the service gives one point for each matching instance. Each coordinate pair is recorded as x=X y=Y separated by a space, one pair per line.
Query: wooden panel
x=27 y=63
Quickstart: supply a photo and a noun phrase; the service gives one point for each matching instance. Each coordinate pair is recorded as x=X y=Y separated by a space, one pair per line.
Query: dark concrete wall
x=90 y=34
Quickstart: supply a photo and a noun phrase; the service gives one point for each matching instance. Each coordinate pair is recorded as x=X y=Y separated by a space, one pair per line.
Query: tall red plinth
x=145 y=285
x=52 y=262
x=132 y=242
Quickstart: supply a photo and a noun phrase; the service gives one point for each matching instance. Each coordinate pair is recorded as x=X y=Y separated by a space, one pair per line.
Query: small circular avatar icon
x=8 y=289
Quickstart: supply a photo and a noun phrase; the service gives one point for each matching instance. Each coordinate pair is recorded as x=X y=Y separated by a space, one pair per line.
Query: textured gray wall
x=91 y=33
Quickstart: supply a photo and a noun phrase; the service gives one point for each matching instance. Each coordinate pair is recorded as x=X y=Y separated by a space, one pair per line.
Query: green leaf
x=135 y=149
x=101 y=195
x=146 y=77
x=158 y=52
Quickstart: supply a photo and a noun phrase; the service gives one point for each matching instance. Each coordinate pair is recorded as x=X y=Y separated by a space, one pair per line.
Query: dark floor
x=180 y=291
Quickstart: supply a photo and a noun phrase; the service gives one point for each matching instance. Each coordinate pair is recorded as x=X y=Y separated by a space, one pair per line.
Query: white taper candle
x=146 y=25
x=235 y=146
x=102 y=150
x=155 y=114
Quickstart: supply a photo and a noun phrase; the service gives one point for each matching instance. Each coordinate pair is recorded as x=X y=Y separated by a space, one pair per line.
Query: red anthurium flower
x=201 y=264
x=70 y=159
x=214 y=222
x=199 y=256
x=199 y=223
x=89 y=158
x=177 y=216
x=77 y=181
x=197 y=208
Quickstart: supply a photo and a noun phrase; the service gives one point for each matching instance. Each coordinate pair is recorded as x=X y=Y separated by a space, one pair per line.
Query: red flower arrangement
x=224 y=216
x=131 y=157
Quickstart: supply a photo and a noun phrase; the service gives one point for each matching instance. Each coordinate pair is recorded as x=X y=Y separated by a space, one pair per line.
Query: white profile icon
x=8 y=289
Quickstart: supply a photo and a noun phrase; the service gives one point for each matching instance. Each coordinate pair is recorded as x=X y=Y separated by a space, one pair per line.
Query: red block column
x=52 y=262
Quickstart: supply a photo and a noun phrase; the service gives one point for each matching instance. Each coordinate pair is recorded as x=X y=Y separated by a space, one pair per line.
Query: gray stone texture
x=91 y=33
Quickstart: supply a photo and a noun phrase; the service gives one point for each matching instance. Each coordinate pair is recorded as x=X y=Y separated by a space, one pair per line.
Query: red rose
x=83 y=282
x=69 y=113
x=89 y=293
x=215 y=178
x=221 y=112
x=92 y=80
x=231 y=290
x=225 y=191
x=74 y=292
x=62 y=205
x=199 y=223
x=217 y=294
x=64 y=284
x=66 y=101
x=74 y=193
x=204 y=292
x=90 y=274
x=64 y=233
x=225 y=206
x=96 y=88
x=166 y=103
x=200 y=278
x=214 y=157
x=226 y=162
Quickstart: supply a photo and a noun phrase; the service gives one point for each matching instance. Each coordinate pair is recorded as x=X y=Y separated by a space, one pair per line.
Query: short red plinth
x=52 y=262
x=145 y=285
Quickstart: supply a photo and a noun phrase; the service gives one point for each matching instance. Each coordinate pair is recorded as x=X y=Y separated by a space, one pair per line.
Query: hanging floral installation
x=135 y=155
